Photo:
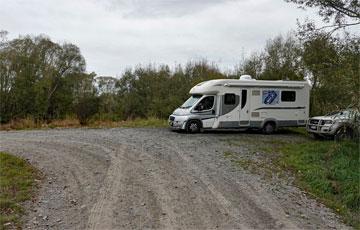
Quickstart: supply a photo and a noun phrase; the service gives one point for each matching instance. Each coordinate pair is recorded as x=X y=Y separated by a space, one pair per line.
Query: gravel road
x=154 y=178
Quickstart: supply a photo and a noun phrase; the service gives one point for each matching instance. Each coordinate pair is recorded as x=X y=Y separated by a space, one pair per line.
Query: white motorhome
x=243 y=104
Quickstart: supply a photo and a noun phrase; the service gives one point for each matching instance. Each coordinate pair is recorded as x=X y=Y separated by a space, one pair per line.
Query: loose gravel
x=154 y=178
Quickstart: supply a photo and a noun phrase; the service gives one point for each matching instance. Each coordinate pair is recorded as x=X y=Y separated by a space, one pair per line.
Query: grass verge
x=17 y=184
x=135 y=123
x=328 y=170
x=24 y=124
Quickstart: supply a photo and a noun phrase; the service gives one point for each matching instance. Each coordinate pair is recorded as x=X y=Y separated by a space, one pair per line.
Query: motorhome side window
x=229 y=99
x=205 y=104
x=288 y=96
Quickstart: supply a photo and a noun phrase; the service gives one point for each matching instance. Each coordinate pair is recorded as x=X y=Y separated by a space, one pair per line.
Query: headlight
x=328 y=122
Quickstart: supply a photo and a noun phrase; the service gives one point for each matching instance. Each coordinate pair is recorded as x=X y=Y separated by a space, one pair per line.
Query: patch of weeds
x=70 y=122
x=256 y=165
x=295 y=130
x=17 y=183
x=327 y=170
x=148 y=122
x=228 y=154
x=330 y=171
x=245 y=163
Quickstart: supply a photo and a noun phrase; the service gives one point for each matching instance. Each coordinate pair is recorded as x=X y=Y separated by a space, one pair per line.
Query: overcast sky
x=116 y=34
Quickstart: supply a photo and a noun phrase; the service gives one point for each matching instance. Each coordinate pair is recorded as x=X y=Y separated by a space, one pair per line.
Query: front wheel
x=193 y=126
x=343 y=134
x=317 y=136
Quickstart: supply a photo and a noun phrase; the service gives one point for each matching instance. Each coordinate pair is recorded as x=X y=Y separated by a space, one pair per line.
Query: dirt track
x=155 y=178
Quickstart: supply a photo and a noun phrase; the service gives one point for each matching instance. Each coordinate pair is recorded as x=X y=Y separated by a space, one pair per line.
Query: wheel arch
x=194 y=119
x=272 y=120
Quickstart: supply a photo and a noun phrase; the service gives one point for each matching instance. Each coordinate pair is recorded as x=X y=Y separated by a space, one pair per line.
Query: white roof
x=214 y=86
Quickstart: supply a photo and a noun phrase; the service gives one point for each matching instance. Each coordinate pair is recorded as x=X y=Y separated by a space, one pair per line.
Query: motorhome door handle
x=247 y=111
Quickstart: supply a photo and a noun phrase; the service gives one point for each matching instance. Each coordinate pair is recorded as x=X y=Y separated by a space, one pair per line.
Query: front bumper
x=177 y=122
x=321 y=129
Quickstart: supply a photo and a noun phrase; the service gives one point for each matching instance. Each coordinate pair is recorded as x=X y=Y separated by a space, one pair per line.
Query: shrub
x=86 y=108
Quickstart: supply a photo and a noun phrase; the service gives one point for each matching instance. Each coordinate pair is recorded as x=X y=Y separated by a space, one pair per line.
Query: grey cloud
x=161 y=8
x=115 y=34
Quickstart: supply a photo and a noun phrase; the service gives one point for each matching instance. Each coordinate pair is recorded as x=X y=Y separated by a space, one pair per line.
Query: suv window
x=205 y=104
x=288 y=95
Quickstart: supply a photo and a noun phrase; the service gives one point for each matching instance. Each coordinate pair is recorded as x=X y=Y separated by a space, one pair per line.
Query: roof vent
x=246 y=78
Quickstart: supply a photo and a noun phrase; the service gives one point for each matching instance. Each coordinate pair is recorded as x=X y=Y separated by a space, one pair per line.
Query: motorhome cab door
x=244 y=113
x=205 y=109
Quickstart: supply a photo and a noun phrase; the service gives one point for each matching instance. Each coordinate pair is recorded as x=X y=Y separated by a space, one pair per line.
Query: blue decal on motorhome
x=270 y=97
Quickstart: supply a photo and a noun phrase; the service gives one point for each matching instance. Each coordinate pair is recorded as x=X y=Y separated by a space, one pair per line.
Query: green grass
x=295 y=130
x=328 y=170
x=17 y=183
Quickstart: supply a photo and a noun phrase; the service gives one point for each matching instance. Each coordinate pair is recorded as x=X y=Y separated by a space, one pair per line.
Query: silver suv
x=339 y=124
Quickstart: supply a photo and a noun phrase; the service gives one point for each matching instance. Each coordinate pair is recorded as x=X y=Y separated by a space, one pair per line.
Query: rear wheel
x=269 y=128
x=193 y=126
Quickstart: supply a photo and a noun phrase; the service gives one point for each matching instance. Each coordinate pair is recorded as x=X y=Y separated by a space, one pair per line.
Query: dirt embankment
x=154 y=178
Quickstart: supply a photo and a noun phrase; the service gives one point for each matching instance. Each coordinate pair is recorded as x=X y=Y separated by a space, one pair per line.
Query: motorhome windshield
x=191 y=101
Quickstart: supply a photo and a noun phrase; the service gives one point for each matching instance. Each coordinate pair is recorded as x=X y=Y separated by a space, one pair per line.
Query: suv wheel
x=343 y=134
x=317 y=136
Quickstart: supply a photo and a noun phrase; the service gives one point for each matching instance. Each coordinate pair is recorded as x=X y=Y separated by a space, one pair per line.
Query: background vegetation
x=44 y=81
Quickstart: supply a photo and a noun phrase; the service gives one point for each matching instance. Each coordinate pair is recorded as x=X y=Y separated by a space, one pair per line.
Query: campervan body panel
x=245 y=104
x=284 y=106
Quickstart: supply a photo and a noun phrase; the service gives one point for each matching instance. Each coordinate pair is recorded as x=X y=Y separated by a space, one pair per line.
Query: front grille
x=172 y=118
x=322 y=122
x=314 y=121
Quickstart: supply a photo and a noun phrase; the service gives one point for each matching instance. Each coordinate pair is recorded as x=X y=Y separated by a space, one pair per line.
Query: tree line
x=44 y=80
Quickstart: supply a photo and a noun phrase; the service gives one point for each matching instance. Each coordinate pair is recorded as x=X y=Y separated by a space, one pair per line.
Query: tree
x=85 y=108
x=333 y=66
x=157 y=91
x=106 y=89
x=252 y=66
x=336 y=13
x=280 y=60
x=38 y=77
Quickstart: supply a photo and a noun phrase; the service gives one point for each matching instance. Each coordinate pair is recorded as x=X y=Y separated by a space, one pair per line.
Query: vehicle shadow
x=283 y=131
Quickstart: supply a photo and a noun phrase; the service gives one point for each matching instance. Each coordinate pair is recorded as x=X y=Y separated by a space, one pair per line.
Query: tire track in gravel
x=100 y=214
x=219 y=198
x=146 y=178
x=187 y=175
x=242 y=221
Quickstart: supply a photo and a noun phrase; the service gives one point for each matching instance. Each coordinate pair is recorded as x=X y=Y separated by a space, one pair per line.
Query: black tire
x=317 y=136
x=344 y=134
x=269 y=128
x=193 y=126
